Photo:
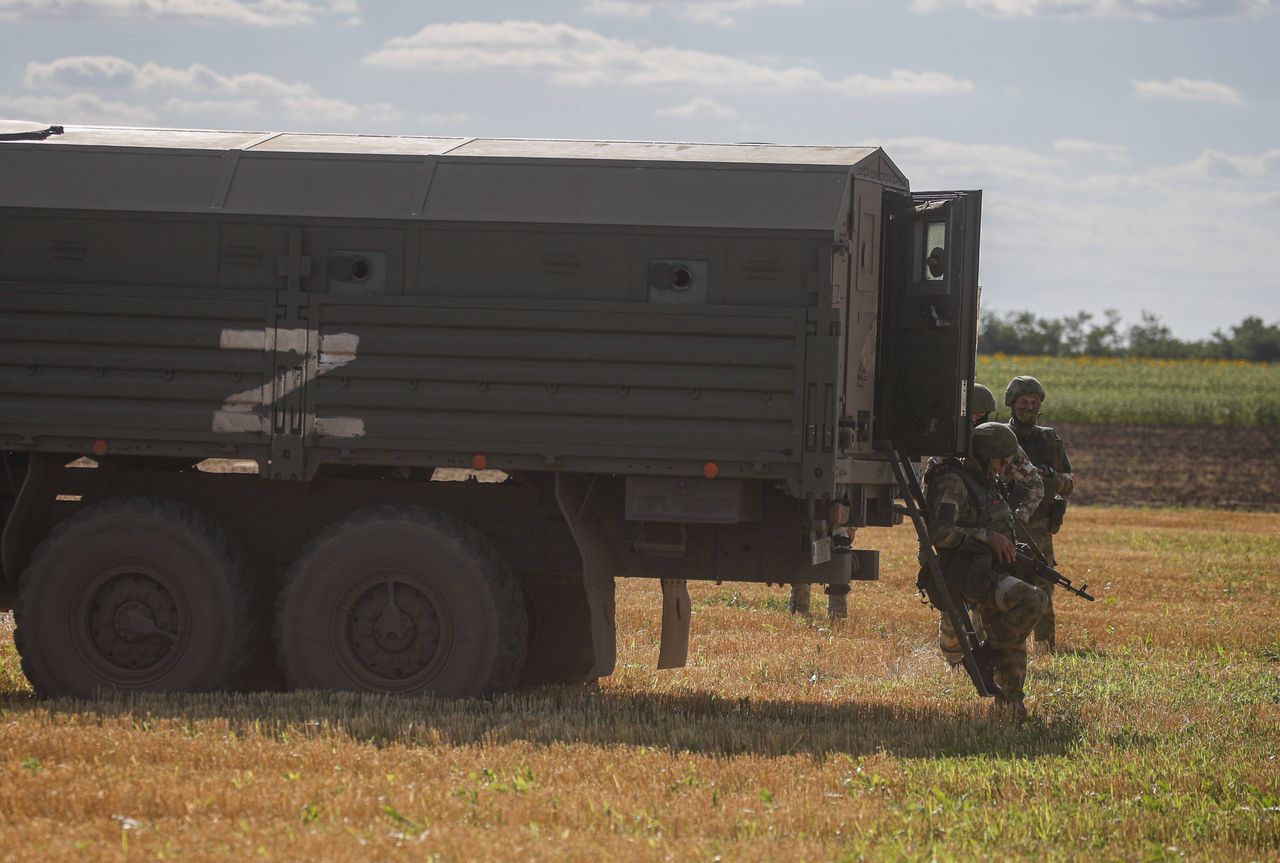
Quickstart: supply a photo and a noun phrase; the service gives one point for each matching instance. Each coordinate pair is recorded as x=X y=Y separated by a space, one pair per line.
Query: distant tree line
x=1023 y=332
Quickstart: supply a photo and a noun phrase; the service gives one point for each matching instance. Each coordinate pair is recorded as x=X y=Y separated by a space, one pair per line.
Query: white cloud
x=1188 y=90
x=258 y=13
x=699 y=107
x=1080 y=147
x=114 y=72
x=719 y=12
x=582 y=57
x=88 y=108
x=955 y=164
x=197 y=107
x=1062 y=234
x=1145 y=10
x=73 y=85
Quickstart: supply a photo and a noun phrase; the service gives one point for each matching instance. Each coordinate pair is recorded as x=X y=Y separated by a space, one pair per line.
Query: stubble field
x=1155 y=735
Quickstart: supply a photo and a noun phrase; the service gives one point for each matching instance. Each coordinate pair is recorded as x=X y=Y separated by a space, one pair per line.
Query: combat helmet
x=992 y=440
x=1023 y=385
x=982 y=400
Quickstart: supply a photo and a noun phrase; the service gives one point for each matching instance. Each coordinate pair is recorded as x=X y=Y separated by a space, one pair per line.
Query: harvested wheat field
x=1155 y=735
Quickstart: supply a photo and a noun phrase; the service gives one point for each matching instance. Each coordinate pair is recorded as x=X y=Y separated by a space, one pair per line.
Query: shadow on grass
x=698 y=722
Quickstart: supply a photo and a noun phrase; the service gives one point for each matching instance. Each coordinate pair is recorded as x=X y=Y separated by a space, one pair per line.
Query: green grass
x=1152 y=392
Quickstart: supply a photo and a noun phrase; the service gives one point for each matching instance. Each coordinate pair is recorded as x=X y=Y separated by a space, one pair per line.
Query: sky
x=1128 y=150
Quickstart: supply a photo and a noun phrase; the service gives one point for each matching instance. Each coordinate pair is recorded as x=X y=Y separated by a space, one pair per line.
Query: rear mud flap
x=573 y=493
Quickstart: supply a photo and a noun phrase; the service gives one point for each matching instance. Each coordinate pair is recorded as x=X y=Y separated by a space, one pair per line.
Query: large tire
x=133 y=594
x=560 y=646
x=401 y=599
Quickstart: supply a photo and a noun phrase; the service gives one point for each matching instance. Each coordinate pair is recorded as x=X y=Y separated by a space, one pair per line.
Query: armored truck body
x=238 y=372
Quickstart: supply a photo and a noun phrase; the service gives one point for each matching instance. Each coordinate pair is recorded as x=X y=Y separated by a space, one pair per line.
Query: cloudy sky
x=1129 y=150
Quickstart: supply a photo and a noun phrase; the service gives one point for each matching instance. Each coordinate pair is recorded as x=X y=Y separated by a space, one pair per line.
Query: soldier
x=1025 y=492
x=1025 y=395
x=971 y=527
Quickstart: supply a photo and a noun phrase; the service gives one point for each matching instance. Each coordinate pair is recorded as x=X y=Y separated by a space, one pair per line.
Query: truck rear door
x=929 y=321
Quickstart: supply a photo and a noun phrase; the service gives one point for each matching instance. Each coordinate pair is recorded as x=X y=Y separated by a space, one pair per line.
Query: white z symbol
x=242 y=412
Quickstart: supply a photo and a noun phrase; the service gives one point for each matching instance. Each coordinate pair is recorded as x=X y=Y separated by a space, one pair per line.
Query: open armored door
x=929 y=322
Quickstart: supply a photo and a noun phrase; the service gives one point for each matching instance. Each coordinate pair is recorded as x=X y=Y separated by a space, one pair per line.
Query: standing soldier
x=971 y=527
x=1025 y=395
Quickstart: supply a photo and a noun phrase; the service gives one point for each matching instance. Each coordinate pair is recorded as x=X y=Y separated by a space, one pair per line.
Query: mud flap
x=674 y=650
x=573 y=493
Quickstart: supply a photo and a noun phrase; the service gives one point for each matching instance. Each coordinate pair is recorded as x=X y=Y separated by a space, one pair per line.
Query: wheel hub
x=133 y=621
x=394 y=629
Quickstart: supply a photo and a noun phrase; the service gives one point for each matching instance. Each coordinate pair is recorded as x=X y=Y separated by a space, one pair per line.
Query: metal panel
x=602 y=378
x=126 y=365
x=545 y=182
x=649 y=151
x=324 y=185
x=70 y=179
x=479 y=191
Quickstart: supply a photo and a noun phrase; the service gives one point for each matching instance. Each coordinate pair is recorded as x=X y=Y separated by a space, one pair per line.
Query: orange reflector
x=711 y=470
x=479 y=462
x=99 y=447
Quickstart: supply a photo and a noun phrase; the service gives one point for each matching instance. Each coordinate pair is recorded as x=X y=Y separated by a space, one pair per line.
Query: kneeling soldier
x=971 y=527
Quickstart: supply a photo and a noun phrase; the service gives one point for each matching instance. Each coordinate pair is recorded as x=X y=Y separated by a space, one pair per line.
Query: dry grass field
x=1155 y=735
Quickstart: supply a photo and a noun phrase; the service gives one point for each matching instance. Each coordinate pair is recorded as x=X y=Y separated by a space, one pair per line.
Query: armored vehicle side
x=238 y=371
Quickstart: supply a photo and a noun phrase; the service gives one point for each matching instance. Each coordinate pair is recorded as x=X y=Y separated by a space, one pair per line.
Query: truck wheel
x=560 y=647
x=135 y=594
x=401 y=599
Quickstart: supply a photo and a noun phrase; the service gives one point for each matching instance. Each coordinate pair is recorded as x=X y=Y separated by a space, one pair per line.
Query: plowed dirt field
x=1196 y=466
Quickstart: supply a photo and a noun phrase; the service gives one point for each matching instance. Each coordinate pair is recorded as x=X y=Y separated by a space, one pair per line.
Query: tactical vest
x=993 y=511
x=970 y=569
x=1043 y=446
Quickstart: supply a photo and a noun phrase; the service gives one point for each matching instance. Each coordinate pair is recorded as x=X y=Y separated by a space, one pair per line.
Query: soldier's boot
x=801 y=596
x=1009 y=704
x=1046 y=627
x=949 y=643
x=837 y=601
x=1010 y=710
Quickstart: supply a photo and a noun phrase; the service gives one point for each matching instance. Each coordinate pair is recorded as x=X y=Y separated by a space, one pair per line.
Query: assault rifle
x=1030 y=560
x=1027 y=565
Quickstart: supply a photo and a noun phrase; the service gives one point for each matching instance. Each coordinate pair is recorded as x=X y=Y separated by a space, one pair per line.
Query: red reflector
x=711 y=470
x=479 y=462
x=99 y=447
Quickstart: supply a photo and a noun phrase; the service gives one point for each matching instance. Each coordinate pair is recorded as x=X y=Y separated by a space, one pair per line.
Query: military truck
x=682 y=362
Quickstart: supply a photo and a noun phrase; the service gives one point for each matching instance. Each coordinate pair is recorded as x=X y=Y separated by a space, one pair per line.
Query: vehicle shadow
x=699 y=722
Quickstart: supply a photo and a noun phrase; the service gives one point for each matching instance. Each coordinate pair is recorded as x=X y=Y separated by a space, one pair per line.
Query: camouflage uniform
x=964 y=508
x=1046 y=450
x=1025 y=487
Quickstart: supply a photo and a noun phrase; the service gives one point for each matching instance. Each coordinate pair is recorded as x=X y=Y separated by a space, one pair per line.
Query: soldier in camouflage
x=1025 y=395
x=971 y=527
x=1026 y=490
